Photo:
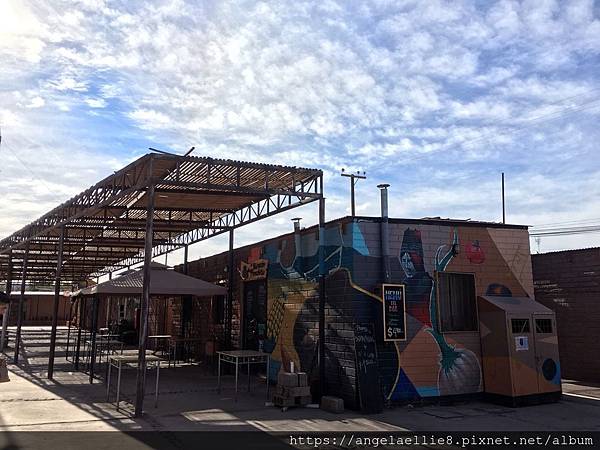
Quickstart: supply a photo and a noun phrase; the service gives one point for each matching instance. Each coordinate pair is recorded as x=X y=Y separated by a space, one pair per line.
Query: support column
x=95 y=301
x=322 y=390
x=69 y=328
x=5 y=318
x=141 y=370
x=229 y=308
x=353 y=205
x=80 y=324
x=21 y=304
x=186 y=269
x=56 y=302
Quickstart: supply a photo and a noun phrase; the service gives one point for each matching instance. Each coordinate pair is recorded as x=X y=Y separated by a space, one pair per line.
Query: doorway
x=255 y=314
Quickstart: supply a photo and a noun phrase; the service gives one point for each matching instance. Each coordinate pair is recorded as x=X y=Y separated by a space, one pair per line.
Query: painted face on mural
x=407 y=264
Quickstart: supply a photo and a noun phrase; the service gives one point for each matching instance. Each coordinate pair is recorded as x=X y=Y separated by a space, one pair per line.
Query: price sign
x=394 y=319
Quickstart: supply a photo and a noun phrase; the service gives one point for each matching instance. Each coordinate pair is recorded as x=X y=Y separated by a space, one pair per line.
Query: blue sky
x=435 y=98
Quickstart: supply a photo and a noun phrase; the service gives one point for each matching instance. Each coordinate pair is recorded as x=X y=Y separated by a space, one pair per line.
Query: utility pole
x=503 y=203
x=354 y=177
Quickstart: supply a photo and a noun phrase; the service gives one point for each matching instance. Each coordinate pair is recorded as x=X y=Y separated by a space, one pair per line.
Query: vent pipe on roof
x=385 y=234
x=296 y=221
x=297 y=237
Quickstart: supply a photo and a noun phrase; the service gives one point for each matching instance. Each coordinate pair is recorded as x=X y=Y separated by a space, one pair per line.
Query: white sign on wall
x=522 y=343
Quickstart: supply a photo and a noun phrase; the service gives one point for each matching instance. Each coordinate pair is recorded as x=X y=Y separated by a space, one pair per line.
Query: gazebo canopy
x=163 y=281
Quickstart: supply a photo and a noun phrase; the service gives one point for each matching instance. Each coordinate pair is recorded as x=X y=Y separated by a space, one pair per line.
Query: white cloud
x=36 y=102
x=150 y=119
x=96 y=102
x=430 y=96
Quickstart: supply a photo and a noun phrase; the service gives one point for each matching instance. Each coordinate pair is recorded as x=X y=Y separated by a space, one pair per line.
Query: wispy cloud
x=434 y=97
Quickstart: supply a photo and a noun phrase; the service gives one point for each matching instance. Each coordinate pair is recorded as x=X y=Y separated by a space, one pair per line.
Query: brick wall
x=569 y=283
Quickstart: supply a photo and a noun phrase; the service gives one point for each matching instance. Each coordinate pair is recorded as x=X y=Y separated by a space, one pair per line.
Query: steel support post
x=322 y=299
x=80 y=325
x=56 y=302
x=21 y=304
x=95 y=301
x=185 y=259
x=69 y=329
x=141 y=370
x=229 y=304
x=6 y=316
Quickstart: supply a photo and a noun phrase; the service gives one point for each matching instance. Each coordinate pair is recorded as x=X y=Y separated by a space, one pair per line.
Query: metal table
x=106 y=344
x=187 y=342
x=118 y=361
x=241 y=357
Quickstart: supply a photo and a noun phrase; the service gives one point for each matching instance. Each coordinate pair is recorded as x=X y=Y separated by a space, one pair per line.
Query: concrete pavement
x=189 y=401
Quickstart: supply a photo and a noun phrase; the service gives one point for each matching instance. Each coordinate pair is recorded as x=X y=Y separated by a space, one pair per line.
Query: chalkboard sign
x=394 y=318
x=367 y=369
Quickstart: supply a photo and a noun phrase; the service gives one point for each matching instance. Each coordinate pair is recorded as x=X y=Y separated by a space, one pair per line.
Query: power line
x=571 y=222
x=29 y=169
x=565 y=231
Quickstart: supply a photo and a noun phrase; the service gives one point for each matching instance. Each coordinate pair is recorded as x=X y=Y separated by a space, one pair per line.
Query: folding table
x=241 y=357
x=118 y=361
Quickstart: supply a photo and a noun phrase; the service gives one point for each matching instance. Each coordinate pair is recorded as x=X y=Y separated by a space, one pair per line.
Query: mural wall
x=429 y=362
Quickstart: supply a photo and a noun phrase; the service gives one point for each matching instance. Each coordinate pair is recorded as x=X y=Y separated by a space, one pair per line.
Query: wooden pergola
x=157 y=204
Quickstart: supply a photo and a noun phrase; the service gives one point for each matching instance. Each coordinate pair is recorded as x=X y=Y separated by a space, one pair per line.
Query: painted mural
x=429 y=362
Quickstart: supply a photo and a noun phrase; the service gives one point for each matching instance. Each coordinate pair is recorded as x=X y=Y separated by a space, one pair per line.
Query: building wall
x=428 y=363
x=38 y=309
x=569 y=283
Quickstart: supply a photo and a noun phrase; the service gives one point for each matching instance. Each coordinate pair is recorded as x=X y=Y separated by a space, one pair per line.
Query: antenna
x=354 y=177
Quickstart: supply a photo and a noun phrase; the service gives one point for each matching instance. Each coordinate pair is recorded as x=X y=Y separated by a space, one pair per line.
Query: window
x=519 y=326
x=543 y=325
x=457 y=306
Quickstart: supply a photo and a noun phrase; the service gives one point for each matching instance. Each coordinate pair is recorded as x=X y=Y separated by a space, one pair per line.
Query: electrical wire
x=565 y=231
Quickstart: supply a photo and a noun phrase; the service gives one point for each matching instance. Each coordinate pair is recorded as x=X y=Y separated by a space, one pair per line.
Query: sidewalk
x=189 y=401
x=581 y=390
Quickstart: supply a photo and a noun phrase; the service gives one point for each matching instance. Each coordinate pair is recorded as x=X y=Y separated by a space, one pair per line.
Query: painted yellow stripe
x=357 y=287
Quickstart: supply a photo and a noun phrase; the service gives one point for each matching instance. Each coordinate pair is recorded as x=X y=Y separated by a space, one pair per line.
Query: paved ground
x=582 y=390
x=189 y=401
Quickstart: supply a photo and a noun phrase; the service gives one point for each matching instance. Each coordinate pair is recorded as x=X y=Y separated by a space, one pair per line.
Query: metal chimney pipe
x=384 y=199
x=297 y=237
x=296 y=221
x=385 y=234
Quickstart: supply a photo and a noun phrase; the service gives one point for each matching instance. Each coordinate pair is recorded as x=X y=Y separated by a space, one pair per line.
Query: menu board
x=367 y=369
x=394 y=318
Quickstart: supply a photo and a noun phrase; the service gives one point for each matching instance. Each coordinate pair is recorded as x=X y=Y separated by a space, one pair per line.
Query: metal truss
x=194 y=199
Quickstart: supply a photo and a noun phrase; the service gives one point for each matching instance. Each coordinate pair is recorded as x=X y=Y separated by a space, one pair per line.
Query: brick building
x=568 y=282
x=444 y=266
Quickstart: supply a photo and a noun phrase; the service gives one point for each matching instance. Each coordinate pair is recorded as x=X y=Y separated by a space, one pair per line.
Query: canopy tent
x=163 y=281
